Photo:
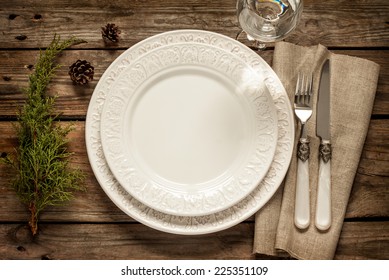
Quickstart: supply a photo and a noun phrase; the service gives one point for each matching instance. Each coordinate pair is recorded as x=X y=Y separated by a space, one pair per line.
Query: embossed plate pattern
x=189 y=129
x=187 y=224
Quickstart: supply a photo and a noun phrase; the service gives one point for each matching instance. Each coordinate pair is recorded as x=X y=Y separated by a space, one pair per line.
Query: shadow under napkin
x=353 y=87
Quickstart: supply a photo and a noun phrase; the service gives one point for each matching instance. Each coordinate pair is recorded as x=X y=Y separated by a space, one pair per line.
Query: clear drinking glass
x=266 y=21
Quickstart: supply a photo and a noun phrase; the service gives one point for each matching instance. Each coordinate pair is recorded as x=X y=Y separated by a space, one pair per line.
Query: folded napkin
x=353 y=87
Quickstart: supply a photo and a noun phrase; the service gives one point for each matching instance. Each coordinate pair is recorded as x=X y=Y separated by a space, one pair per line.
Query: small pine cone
x=81 y=72
x=110 y=32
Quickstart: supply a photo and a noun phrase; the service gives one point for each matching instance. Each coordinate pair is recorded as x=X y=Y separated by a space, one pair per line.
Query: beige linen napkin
x=353 y=87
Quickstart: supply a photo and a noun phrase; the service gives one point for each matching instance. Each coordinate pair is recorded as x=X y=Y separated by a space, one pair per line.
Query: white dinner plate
x=189 y=129
x=180 y=224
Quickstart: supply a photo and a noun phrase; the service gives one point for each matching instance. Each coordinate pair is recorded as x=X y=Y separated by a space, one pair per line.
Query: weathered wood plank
x=369 y=196
x=135 y=241
x=73 y=100
x=121 y=241
x=332 y=23
x=363 y=240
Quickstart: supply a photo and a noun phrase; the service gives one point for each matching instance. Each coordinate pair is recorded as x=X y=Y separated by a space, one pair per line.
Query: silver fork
x=303 y=110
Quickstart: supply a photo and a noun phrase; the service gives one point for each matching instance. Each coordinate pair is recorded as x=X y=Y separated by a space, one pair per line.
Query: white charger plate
x=188 y=129
x=179 y=224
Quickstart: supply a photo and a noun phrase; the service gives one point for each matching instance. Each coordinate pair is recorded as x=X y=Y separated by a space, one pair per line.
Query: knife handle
x=323 y=203
x=301 y=211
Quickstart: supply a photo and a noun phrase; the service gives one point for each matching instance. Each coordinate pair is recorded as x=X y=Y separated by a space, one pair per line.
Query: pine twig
x=41 y=161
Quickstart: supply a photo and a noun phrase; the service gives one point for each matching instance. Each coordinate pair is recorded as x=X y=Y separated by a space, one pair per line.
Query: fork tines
x=303 y=92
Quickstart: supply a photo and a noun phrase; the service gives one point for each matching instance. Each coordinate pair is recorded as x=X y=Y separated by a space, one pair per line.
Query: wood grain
x=332 y=23
x=121 y=241
x=363 y=240
x=135 y=241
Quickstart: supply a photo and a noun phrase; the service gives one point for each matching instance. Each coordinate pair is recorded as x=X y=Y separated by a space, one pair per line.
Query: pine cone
x=81 y=72
x=110 y=32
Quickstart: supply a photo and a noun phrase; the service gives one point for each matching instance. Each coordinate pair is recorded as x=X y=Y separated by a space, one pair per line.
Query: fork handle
x=301 y=211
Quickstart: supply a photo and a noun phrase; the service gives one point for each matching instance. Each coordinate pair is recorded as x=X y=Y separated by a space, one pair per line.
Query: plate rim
x=187 y=225
x=222 y=194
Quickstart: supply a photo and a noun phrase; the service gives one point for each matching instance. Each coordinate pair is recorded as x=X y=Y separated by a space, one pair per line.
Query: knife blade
x=323 y=202
x=323 y=104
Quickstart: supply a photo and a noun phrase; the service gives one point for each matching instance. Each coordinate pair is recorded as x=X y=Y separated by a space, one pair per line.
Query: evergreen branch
x=41 y=161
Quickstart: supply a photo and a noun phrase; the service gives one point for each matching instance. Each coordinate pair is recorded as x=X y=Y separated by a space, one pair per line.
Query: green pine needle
x=41 y=161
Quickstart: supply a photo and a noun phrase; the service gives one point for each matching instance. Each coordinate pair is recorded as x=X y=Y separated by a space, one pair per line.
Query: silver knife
x=323 y=202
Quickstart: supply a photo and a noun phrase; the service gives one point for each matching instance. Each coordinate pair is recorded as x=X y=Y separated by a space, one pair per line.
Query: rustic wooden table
x=91 y=226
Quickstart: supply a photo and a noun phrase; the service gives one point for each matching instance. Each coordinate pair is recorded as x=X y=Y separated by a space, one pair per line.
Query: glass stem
x=260 y=46
x=255 y=44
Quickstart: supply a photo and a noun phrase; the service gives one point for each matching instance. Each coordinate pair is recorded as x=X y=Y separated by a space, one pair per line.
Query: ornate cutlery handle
x=323 y=204
x=301 y=212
